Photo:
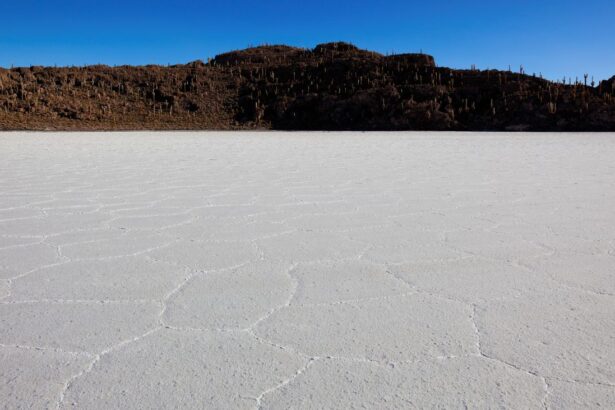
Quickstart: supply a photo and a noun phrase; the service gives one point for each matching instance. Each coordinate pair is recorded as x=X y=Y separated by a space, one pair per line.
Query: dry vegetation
x=332 y=87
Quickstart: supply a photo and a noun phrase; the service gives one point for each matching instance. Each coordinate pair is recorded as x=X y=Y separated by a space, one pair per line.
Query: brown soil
x=335 y=86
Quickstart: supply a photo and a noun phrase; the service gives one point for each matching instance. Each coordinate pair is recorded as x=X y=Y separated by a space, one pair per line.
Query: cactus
x=552 y=107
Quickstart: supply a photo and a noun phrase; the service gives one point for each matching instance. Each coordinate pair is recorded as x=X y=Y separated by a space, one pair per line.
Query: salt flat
x=307 y=270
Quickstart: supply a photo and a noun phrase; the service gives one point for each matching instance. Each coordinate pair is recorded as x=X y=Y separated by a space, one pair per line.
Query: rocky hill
x=335 y=86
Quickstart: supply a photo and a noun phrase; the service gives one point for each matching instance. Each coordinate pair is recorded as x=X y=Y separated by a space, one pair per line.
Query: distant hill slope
x=335 y=86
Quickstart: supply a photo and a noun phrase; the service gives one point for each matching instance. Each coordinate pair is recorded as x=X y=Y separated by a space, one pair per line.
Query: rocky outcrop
x=335 y=86
x=608 y=85
x=277 y=54
x=423 y=60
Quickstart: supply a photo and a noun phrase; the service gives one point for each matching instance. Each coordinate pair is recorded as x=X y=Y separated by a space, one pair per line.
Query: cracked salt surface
x=296 y=270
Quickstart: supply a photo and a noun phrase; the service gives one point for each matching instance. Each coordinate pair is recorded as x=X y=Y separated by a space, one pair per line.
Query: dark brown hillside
x=335 y=86
x=608 y=86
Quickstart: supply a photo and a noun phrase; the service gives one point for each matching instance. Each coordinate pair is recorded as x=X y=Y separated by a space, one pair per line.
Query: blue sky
x=557 y=38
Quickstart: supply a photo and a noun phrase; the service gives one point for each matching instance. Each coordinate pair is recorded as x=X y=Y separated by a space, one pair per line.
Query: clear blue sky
x=555 y=37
